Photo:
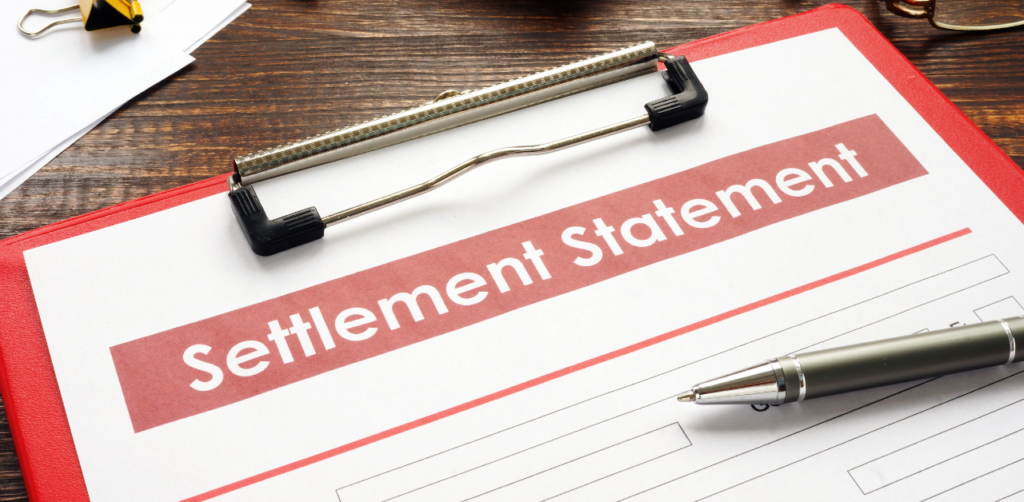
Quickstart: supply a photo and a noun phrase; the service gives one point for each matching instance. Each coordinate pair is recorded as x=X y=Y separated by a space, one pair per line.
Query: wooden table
x=288 y=69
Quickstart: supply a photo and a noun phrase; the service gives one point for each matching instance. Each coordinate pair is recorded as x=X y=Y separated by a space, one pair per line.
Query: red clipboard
x=35 y=411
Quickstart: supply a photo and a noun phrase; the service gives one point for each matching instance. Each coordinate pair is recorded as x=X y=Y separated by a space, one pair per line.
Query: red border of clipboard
x=35 y=411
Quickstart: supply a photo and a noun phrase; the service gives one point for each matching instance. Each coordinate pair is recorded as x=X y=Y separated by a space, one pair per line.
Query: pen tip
x=686 y=397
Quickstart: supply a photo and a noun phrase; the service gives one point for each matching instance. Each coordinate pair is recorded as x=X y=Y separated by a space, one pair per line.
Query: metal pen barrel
x=827 y=372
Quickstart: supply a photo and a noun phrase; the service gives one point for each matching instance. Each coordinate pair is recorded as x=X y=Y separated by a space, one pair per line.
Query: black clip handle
x=267 y=237
x=687 y=103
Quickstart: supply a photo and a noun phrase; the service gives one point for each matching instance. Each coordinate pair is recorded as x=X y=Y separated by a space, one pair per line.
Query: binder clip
x=452 y=109
x=96 y=15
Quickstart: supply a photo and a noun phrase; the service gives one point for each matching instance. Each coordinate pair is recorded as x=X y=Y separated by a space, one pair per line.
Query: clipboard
x=35 y=411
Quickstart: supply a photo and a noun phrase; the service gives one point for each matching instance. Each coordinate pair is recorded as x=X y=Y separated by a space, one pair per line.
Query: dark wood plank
x=292 y=68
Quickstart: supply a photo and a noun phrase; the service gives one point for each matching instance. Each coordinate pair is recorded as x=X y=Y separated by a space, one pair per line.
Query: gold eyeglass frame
x=926 y=9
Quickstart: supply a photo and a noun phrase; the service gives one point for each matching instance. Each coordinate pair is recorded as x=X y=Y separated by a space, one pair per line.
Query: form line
x=975 y=479
x=915 y=443
x=954 y=457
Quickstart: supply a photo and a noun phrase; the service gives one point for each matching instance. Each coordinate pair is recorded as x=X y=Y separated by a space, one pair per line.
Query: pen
x=826 y=372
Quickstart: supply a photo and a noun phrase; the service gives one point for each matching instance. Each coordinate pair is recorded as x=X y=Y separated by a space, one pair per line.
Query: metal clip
x=266 y=236
x=452 y=111
x=96 y=15
x=34 y=34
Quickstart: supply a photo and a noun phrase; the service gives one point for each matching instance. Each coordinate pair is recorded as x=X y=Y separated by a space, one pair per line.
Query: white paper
x=181 y=24
x=72 y=74
x=186 y=24
x=17 y=177
x=238 y=10
x=613 y=430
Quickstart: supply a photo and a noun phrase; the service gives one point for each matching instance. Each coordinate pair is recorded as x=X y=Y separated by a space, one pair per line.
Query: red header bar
x=225 y=359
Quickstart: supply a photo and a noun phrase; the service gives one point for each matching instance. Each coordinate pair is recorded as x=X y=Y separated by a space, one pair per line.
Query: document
x=521 y=333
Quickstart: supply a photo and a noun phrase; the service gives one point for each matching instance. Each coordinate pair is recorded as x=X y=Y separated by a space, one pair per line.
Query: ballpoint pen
x=826 y=372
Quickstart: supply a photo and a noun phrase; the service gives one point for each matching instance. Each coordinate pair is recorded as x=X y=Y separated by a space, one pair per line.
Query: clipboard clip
x=452 y=109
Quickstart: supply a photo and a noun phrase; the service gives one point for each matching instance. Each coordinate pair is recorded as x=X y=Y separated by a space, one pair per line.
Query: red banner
x=236 y=355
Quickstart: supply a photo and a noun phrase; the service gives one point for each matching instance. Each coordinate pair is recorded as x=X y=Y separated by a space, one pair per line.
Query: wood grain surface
x=287 y=69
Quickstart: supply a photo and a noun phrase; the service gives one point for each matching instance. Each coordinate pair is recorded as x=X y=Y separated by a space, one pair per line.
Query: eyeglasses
x=963 y=15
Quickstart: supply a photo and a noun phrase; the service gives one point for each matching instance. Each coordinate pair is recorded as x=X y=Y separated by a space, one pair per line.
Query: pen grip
x=894 y=360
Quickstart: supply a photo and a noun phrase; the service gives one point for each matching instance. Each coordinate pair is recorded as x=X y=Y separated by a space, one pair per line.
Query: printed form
x=522 y=333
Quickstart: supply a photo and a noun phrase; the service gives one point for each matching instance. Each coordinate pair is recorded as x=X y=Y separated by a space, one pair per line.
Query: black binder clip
x=267 y=237
x=96 y=15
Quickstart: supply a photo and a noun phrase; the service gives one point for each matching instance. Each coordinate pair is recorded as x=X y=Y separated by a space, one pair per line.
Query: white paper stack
x=57 y=87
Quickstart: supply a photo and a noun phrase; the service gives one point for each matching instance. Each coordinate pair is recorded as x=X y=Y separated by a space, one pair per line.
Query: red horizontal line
x=571 y=369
